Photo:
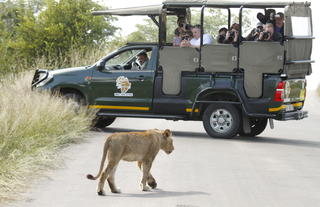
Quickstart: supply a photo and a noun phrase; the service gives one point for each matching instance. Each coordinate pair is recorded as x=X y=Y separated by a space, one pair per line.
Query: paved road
x=280 y=168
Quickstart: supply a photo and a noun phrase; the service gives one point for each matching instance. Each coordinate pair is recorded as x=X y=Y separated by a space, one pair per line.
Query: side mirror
x=100 y=65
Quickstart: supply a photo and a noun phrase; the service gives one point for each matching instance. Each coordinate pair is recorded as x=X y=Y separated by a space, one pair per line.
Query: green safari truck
x=232 y=88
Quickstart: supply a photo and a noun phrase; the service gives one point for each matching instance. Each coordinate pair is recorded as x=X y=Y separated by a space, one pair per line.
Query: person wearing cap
x=269 y=34
x=279 y=23
x=255 y=32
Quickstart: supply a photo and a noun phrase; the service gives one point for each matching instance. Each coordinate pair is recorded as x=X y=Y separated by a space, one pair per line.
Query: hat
x=279 y=15
x=259 y=24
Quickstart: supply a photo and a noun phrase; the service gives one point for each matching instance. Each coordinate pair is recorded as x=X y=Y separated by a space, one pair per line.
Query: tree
x=61 y=26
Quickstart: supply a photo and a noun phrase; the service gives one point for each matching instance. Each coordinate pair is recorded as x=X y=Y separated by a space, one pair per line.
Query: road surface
x=280 y=168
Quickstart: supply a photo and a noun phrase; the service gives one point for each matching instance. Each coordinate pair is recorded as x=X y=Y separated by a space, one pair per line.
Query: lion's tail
x=104 y=155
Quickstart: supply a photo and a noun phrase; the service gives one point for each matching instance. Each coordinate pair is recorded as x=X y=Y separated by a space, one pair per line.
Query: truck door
x=117 y=87
x=298 y=44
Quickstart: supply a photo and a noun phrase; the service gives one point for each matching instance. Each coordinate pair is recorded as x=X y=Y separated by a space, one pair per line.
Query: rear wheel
x=221 y=120
x=258 y=125
x=102 y=122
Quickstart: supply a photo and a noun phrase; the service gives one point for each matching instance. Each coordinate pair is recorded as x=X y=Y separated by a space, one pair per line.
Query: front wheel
x=101 y=122
x=221 y=120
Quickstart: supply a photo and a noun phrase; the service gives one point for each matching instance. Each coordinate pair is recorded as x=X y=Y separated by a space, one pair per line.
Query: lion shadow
x=159 y=193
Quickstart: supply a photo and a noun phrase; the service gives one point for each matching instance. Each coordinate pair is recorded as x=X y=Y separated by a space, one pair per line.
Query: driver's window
x=120 y=58
x=135 y=59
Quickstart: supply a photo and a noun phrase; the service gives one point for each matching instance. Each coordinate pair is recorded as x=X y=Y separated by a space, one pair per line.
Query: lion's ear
x=166 y=133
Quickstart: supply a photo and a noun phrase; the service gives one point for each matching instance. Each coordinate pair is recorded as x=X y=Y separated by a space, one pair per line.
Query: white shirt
x=137 y=66
x=207 y=40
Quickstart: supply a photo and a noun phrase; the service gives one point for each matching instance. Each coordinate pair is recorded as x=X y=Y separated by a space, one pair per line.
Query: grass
x=34 y=127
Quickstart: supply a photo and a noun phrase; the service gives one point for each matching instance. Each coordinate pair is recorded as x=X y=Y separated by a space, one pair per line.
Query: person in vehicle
x=232 y=35
x=279 y=23
x=269 y=34
x=180 y=31
x=141 y=62
x=222 y=35
x=195 y=41
x=255 y=32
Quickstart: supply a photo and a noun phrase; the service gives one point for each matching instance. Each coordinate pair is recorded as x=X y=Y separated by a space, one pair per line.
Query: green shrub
x=34 y=126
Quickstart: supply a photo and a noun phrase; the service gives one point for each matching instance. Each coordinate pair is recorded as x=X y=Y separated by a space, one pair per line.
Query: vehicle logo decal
x=124 y=85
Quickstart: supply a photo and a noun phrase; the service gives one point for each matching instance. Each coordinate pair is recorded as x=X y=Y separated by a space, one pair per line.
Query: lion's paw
x=116 y=190
x=144 y=188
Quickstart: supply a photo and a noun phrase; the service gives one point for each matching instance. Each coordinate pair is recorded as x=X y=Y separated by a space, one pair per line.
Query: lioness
x=133 y=146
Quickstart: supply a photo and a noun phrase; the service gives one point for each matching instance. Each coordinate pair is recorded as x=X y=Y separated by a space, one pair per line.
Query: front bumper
x=294 y=115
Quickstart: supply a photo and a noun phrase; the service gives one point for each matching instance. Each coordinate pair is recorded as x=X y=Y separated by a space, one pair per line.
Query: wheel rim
x=221 y=120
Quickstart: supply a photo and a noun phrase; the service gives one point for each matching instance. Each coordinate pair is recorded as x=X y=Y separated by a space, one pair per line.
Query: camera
x=257 y=30
x=185 y=37
x=231 y=36
x=265 y=35
x=221 y=38
x=185 y=26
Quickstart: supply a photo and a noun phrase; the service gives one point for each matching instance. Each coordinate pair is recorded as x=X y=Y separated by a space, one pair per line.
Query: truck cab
x=232 y=88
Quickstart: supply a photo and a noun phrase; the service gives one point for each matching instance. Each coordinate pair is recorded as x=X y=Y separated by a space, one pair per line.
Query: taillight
x=279 y=95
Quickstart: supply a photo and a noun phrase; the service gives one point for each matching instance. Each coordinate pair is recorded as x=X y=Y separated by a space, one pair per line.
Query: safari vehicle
x=233 y=89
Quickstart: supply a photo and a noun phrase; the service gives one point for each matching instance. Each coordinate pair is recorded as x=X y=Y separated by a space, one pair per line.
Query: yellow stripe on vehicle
x=190 y=109
x=277 y=108
x=139 y=108
x=297 y=104
x=284 y=106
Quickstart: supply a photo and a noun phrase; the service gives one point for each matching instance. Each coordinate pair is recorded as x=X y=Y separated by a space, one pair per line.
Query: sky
x=128 y=25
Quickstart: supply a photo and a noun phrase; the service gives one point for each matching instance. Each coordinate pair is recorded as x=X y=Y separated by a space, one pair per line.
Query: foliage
x=35 y=128
x=49 y=29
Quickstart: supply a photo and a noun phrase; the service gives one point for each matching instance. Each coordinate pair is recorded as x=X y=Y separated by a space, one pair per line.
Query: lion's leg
x=150 y=180
x=111 y=181
x=104 y=175
x=146 y=166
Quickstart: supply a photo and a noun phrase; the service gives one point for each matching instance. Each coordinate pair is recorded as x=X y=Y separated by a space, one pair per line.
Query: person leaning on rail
x=195 y=41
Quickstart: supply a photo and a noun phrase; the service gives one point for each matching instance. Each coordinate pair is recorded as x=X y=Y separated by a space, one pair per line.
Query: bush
x=34 y=127
x=49 y=29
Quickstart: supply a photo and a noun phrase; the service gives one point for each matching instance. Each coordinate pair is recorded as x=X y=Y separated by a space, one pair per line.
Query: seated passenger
x=180 y=30
x=269 y=34
x=195 y=41
x=279 y=23
x=232 y=35
x=141 y=62
x=254 y=34
x=222 y=35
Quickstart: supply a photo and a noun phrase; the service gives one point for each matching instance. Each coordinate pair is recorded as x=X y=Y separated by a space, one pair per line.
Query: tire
x=258 y=125
x=77 y=98
x=101 y=122
x=221 y=120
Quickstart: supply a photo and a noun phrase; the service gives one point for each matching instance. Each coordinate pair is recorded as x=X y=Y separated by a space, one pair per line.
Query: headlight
x=45 y=81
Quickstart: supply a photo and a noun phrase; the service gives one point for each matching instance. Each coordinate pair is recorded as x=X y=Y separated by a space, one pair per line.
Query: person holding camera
x=232 y=35
x=180 y=31
x=269 y=34
x=222 y=35
x=185 y=39
x=195 y=41
x=254 y=34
